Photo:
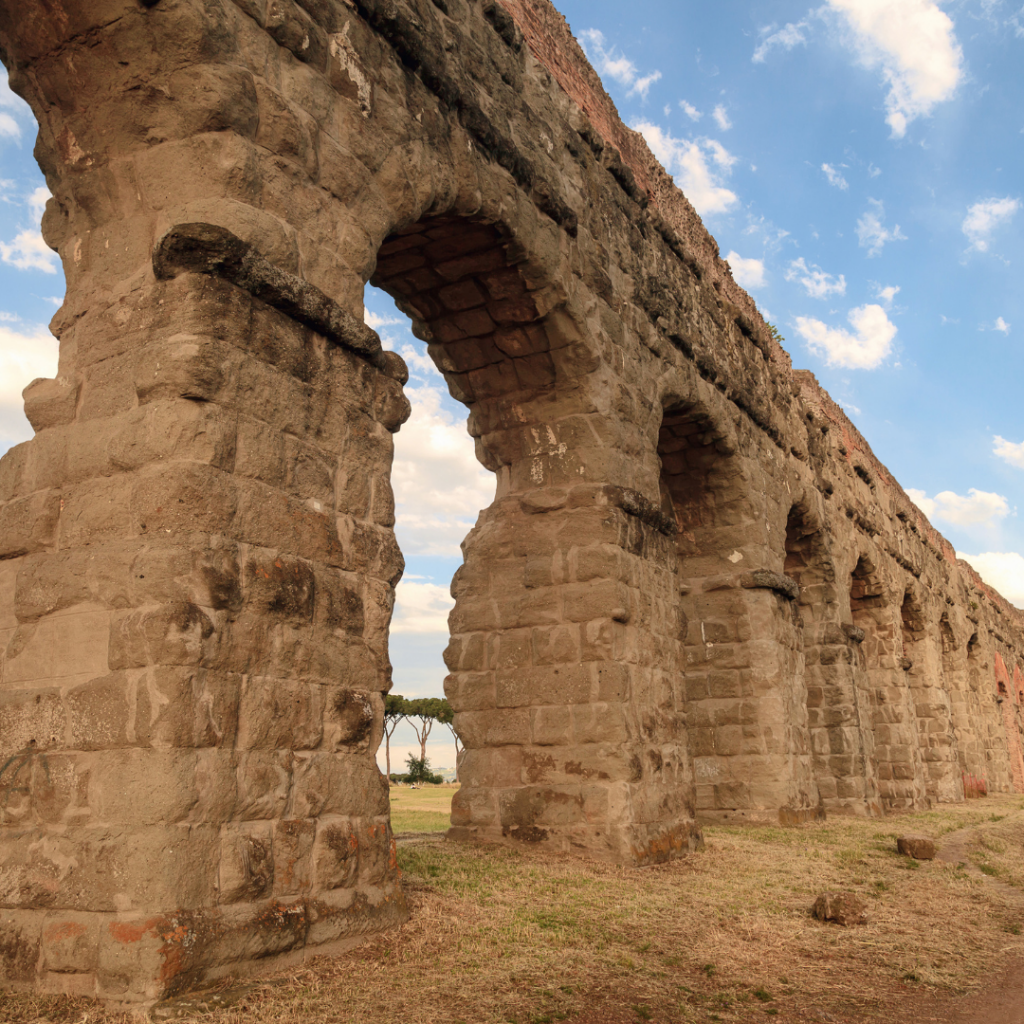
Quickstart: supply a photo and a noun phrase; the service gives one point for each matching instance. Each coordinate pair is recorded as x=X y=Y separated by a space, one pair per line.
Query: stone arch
x=551 y=729
x=896 y=753
x=932 y=682
x=956 y=681
x=743 y=687
x=838 y=697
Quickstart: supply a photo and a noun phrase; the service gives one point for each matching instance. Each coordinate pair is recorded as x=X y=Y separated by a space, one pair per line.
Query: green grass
x=419 y=821
x=424 y=809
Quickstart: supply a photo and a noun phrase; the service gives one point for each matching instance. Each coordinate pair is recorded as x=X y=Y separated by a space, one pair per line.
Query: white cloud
x=834 y=177
x=887 y=294
x=1001 y=325
x=787 y=37
x=1008 y=451
x=721 y=118
x=28 y=251
x=24 y=356
x=873 y=171
x=689 y=162
x=9 y=128
x=616 y=66
x=1003 y=570
x=816 y=282
x=643 y=85
x=376 y=321
x=748 y=272
x=914 y=45
x=984 y=217
x=872 y=232
x=978 y=508
x=421 y=608
x=690 y=110
x=863 y=350
x=436 y=476
x=1017 y=21
x=37 y=202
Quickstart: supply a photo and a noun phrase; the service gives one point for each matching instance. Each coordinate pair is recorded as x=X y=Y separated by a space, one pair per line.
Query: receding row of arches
x=823 y=688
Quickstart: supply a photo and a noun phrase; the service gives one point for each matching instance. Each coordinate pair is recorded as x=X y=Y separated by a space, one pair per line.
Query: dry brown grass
x=501 y=935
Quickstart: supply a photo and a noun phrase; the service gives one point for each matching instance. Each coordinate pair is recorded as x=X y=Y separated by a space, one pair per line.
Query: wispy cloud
x=872 y=233
x=690 y=110
x=376 y=321
x=1008 y=451
x=835 y=177
x=608 y=61
x=976 y=508
x=790 y=35
x=698 y=165
x=985 y=217
x=747 y=271
x=865 y=348
x=1001 y=325
x=816 y=282
x=721 y=118
x=914 y=45
x=887 y=294
x=28 y=251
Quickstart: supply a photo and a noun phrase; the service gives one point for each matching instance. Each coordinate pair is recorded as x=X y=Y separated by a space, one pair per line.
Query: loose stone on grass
x=917 y=846
x=841 y=907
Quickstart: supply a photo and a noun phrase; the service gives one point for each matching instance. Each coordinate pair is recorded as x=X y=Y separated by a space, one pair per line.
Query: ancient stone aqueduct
x=697 y=595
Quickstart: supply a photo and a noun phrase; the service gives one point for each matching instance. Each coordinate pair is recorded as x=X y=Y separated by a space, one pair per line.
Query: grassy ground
x=424 y=809
x=510 y=935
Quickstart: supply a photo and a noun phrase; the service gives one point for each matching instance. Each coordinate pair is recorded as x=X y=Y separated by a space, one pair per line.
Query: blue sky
x=859 y=163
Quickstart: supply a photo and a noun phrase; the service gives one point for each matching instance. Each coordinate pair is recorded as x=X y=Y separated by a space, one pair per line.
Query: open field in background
x=501 y=934
x=424 y=809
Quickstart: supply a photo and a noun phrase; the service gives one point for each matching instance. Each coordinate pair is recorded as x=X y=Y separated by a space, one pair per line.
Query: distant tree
x=421 y=715
x=446 y=716
x=419 y=770
x=394 y=712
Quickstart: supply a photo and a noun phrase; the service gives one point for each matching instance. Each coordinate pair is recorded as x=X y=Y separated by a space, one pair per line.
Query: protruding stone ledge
x=631 y=502
x=765 y=579
x=210 y=249
x=635 y=504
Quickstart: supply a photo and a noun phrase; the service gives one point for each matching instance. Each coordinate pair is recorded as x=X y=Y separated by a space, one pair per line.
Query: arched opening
x=739 y=645
x=954 y=676
x=31 y=275
x=555 y=712
x=911 y=629
x=439 y=487
x=894 y=720
x=457 y=282
x=839 y=724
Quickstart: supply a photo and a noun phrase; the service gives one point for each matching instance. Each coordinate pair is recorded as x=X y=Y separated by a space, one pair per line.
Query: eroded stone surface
x=697 y=594
x=917 y=846
x=842 y=908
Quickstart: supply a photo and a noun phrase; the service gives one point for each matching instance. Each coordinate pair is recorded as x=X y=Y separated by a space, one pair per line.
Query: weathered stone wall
x=696 y=594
